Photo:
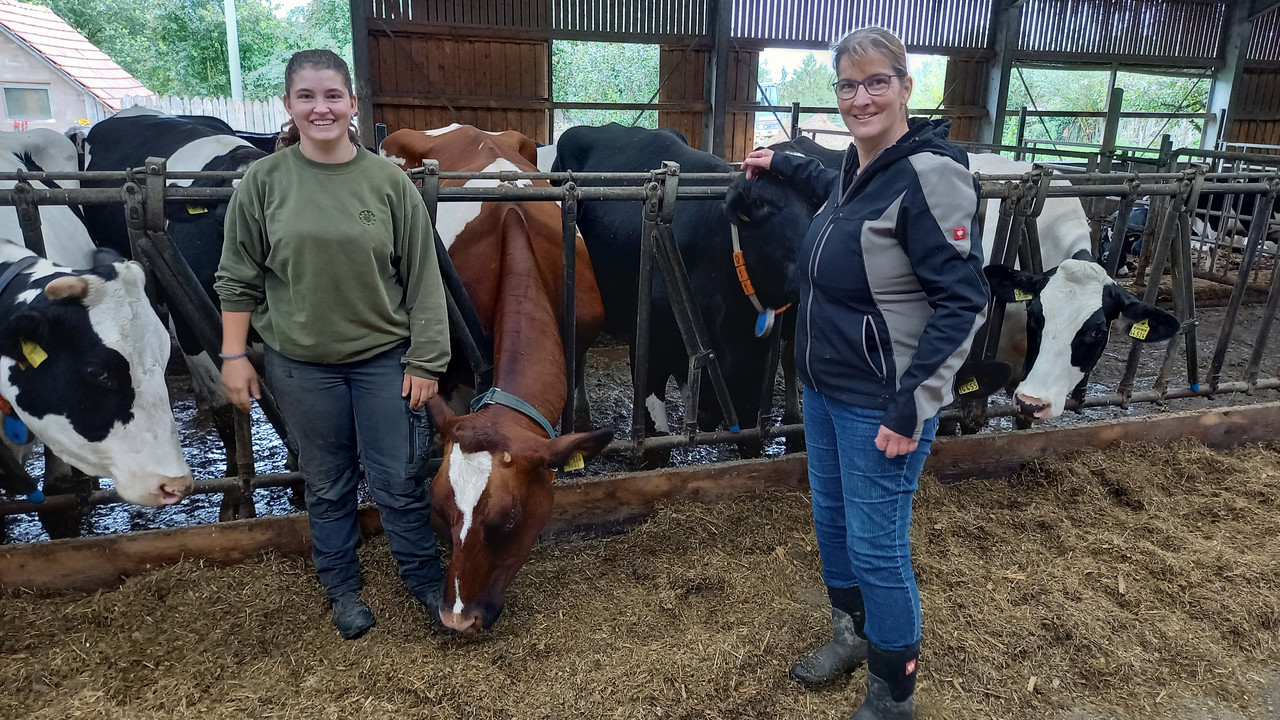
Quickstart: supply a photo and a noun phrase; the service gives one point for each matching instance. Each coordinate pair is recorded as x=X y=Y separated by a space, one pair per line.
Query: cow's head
x=494 y=492
x=82 y=360
x=772 y=218
x=1069 y=314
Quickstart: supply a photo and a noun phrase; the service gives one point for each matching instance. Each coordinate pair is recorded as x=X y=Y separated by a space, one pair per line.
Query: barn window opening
x=588 y=77
x=789 y=76
x=1067 y=108
x=27 y=103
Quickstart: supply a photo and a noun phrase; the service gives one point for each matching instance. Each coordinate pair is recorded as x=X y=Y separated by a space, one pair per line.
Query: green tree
x=604 y=73
x=179 y=47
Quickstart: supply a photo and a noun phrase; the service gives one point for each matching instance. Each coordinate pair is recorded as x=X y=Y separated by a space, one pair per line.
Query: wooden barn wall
x=964 y=89
x=683 y=72
x=1257 y=103
x=422 y=82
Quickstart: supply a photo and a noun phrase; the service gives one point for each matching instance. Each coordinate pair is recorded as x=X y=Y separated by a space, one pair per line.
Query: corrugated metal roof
x=65 y=47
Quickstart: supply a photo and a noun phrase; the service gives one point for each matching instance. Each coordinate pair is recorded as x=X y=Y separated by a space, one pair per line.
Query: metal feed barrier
x=1173 y=197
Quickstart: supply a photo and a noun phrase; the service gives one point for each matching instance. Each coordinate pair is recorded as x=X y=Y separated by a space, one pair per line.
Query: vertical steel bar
x=1257 y=233
x=568 y=303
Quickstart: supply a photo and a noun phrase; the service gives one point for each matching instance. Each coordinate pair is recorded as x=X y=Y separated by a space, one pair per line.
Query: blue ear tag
x=764 y=323
x=15 y=430
x=35 y=497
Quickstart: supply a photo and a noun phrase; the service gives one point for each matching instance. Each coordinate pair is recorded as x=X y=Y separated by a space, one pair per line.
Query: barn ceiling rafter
x=488 y=62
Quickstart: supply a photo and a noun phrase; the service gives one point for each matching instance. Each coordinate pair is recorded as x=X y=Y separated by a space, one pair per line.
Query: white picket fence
x=265 y=116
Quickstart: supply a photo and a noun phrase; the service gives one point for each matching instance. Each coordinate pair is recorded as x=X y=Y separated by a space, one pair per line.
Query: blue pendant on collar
x=494 y=396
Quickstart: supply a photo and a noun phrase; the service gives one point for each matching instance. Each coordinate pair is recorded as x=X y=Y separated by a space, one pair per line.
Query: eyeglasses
x=875 y=85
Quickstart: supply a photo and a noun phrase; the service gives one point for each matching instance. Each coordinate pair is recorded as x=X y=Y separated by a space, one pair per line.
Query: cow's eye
x=98 y=375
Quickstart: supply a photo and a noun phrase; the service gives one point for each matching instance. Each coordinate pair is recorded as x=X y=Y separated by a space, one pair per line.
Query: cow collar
x=494 y=396
x=765 y=321
x=17 y=267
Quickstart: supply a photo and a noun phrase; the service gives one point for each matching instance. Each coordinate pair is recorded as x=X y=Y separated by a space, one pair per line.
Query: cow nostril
x=458 y=622
x=173 y=493
x=1030 y=406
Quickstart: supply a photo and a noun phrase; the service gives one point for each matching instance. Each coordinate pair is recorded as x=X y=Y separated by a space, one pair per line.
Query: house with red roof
x=51 y=75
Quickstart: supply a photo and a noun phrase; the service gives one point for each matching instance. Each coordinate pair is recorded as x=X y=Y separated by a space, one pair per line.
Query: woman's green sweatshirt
x=337 y=262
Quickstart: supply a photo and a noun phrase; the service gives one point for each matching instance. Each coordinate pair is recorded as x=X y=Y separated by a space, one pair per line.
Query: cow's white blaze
x=455 y=216
x=457 y=596
x=1073 y=294
x=468 y=476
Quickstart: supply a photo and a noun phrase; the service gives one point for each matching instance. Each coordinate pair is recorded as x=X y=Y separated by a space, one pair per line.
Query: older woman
x=891 y=296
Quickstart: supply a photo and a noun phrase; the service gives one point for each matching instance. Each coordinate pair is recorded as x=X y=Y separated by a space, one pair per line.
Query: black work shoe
x=351 y=616
x=880 y=705
x=839 y=656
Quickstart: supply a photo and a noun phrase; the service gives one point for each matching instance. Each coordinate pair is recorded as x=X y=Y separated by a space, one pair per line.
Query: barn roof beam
x=1232 y=55
x=717 y=77
x=1005 y=20
x=1262 y=7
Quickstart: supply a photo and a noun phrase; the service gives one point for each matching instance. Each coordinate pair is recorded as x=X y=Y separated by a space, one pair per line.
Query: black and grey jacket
x=891 y=284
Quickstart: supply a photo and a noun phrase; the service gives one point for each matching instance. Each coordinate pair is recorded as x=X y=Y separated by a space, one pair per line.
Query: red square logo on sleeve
x=960 y=233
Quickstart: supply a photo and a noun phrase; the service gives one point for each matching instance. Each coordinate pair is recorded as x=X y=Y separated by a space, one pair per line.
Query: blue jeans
x=862 y=513
x=345 y=416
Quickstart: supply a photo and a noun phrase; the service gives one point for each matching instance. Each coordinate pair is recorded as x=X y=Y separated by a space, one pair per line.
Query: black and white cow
x=82 y=360
x=66 y=240
x=1053 y=341
x=125 y=141
x=1057 y=336
x=771 y=218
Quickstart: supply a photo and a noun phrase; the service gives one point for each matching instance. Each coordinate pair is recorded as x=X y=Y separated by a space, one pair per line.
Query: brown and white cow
x=494 y=487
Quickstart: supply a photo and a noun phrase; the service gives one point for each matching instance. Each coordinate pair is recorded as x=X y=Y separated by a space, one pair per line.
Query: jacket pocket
x=872 y=349
x=421 y=437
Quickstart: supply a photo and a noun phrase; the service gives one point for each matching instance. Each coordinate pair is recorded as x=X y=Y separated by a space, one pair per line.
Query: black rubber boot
x=891 y=683
x=351 y=616
x=430 y=600
x=847 y=648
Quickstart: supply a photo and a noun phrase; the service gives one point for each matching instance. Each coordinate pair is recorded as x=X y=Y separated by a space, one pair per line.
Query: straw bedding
x=1137 y=584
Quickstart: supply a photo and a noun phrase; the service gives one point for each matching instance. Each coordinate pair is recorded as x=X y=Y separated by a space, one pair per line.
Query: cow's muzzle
x=1032 y=406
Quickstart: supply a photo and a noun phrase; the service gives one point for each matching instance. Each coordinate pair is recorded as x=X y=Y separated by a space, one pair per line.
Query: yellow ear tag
x=743 y=218
x=575 y=462
x=196 y=209
x=970 y=386
x=34 y=353
x=1019 y=295
x=1139 y=330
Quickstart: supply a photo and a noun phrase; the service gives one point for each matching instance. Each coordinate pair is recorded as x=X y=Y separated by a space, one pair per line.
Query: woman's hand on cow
x=756 y=161
x=418 y=390
x=240 y=382
x=892 y=444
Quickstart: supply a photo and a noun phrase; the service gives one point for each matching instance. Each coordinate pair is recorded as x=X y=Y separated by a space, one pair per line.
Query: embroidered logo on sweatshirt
x=367 y=217
x=960 y=233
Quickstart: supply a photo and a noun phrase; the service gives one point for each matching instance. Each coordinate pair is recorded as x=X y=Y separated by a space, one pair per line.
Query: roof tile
x=46 y=33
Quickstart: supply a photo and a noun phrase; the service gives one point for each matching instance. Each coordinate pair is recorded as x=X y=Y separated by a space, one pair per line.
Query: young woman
x=329 y=254
x=891 y=296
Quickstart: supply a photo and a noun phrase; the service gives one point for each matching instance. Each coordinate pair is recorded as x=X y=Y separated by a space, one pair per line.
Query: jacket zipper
x=813 y=272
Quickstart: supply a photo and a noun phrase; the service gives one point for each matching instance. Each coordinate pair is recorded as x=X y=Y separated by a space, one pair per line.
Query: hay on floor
x=1141 y=583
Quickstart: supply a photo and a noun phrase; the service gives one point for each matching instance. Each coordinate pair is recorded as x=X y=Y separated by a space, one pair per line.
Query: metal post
x=568 y=303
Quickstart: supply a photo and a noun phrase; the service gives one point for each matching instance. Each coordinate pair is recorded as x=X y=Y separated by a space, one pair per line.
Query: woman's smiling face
x=876 y=121
x=320 y=105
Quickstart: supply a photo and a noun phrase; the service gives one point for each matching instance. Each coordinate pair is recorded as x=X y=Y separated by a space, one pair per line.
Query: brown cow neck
x=528 y=353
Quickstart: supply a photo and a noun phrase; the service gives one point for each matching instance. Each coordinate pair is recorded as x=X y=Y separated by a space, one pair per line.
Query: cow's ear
x=1138 y=320
x=528 y=149
x=1009 y=285
x=560 y=451
x=981 y=378
x=23 y=326
x=441 y=414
